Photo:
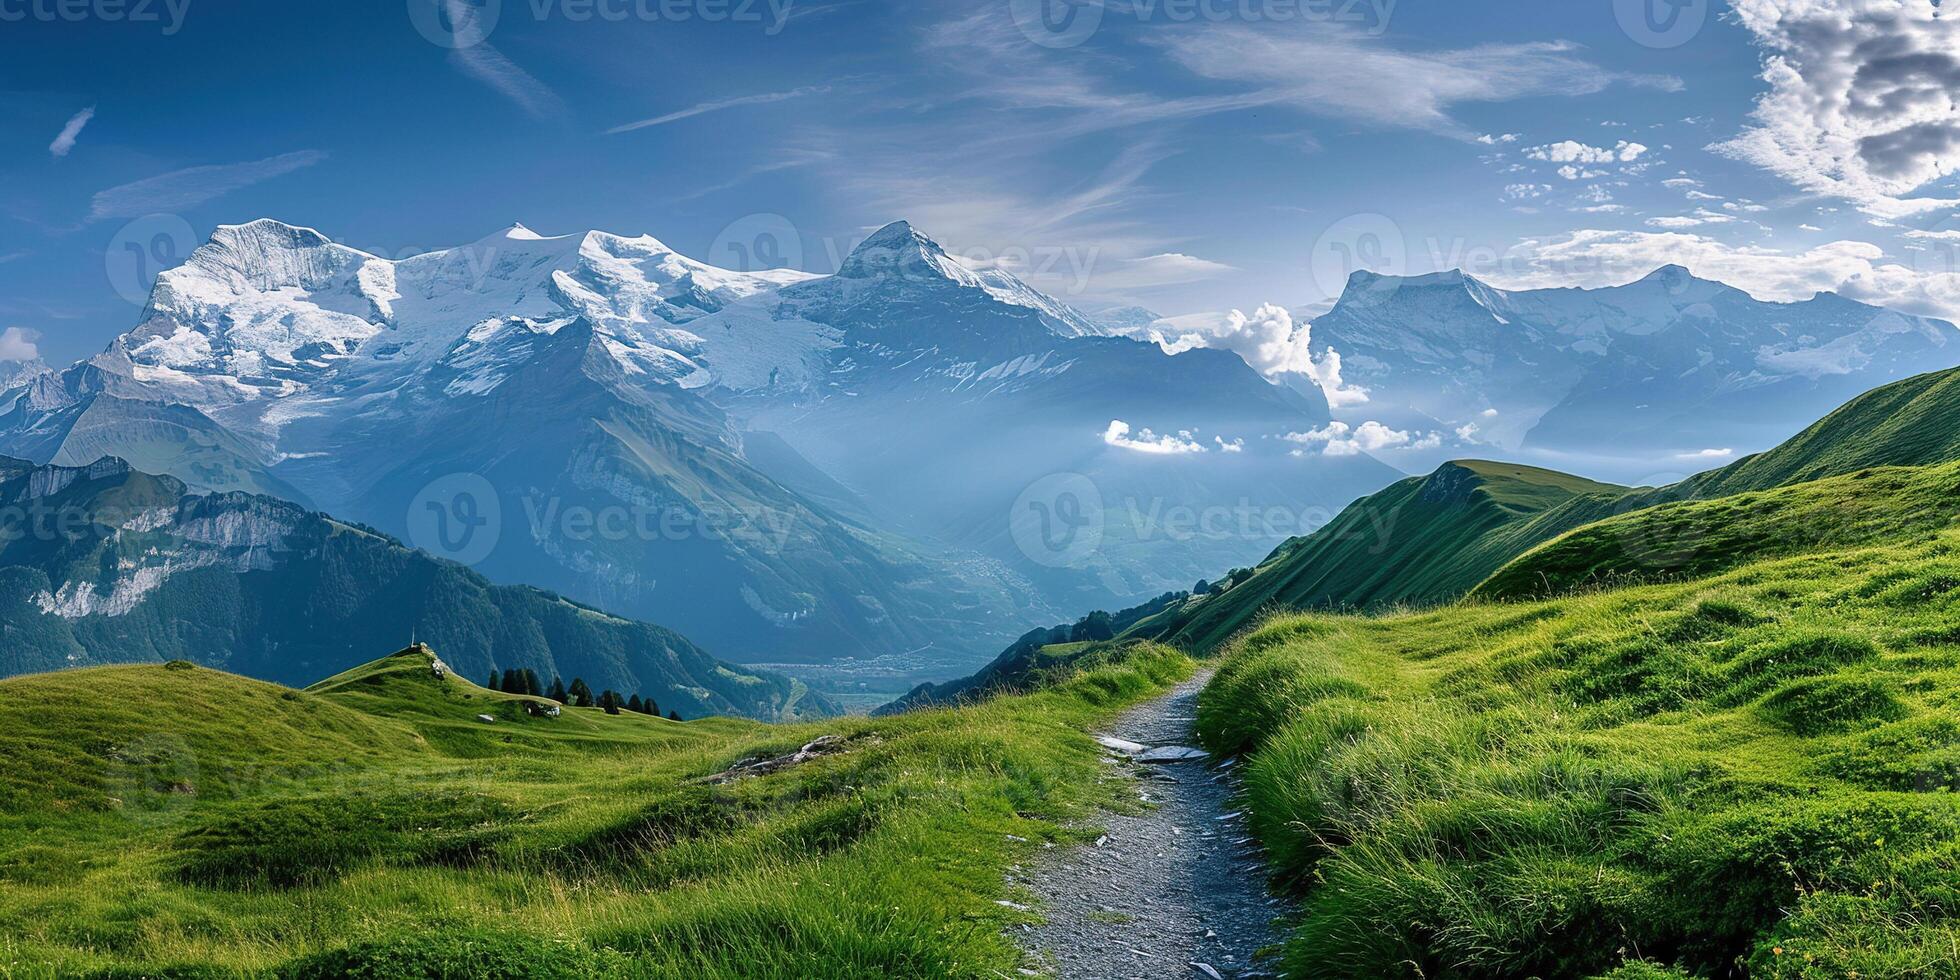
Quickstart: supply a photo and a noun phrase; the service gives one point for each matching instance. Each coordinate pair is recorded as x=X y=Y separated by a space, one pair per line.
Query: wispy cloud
x=716 y=105
x=65 y=141
x=191 y=186
x=1364 y=79
x=17 y=344
x=488 y=65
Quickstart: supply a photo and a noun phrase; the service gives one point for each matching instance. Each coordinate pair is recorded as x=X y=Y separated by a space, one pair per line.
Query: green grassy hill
x=1691 y=539
x=175 y=821
x=1747 y=772
x=1423 y=540
x=1432 y=539
x=106 y=564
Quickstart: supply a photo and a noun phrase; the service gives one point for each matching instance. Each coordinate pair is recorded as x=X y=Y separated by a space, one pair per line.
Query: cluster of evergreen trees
x=579 y=695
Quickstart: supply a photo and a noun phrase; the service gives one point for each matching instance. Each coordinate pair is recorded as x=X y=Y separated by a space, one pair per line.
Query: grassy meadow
x=178 y=822
x=1746 y=774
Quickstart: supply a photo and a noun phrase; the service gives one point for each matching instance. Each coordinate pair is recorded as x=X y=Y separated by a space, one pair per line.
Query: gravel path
x=1170 y=892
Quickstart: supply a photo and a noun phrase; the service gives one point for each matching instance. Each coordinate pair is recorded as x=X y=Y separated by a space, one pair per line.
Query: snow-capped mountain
x=780 y=465
x=1667 y=365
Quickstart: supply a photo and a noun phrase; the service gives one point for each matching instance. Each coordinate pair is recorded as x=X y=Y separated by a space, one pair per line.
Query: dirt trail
x=1170 y=892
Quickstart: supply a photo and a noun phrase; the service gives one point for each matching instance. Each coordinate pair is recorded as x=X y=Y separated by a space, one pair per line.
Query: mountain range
x=1661 y=375
x=907 y=460
x=782 y=466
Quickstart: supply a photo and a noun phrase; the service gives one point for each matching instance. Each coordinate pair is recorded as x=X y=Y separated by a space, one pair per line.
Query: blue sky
x=1188 y=157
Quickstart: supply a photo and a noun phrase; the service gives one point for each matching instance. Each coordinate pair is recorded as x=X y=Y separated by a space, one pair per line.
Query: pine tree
x=581 y=694
x=531 y=685
x=610 y=701
x=496 y=680
x=558 y=690
x=673 y=716
x=635 y=706
x=652 y=709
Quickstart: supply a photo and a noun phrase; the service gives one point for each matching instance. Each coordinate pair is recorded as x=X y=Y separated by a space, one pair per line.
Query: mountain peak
x=899 y=249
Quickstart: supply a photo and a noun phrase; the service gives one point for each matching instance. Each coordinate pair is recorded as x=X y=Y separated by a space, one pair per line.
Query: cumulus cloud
x=1338 y=438
x=1269 y=340
x=1235 y=446
x=1573 y=151
x=1119 y=435
x=1860 y=103
x=1707 y=454
x=17 y=344
x=65 y=140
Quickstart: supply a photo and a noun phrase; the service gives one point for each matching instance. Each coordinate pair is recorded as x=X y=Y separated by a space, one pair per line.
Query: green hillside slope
x=1425 y=539
x=175 y=821
x=1690 y=539
x=106 y=564
x=1749 y=772
x=1419 y=543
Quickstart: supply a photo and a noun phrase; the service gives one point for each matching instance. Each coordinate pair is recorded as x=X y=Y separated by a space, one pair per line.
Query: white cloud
x=1268 y=340
x=1341 y=439
x=1525 y=192
x=1467 y=432
x=1858 y=270
x=1573 y=151
x=1235 y=446
x=1707 y=454
x=1366 y=80
x=65 y=140
x=1695 y=220
x=1859 y=104
x=1492 y=139
x=1162 y=269
x=191 y=186
x=716 y=105
x=1146 y=441
x=1940 y=235
x=17 y=344
x=489 y=66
